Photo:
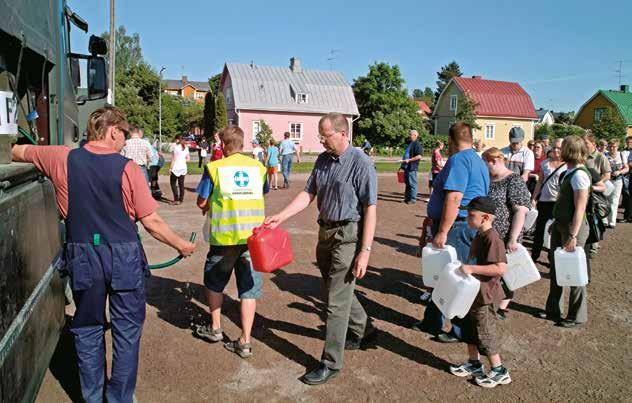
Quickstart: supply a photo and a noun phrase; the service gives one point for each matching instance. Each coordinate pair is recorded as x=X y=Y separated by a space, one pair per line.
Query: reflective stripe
x=218 y=215
x=234 y=227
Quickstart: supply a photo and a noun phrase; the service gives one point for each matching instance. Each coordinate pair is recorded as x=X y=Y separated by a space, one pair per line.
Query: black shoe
x=568 y=324
x=544 y=315
x=353 y=343
x=320 y=375
x=446 y=338
x=501 y=314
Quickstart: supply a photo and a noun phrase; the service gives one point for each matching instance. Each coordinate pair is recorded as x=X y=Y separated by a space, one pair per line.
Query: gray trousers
x=335 y=254
x=578 y=298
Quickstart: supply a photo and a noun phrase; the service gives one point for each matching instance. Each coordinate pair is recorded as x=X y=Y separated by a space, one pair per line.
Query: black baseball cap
x=483 y=204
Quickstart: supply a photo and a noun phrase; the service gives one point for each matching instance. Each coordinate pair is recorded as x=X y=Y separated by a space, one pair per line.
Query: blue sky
x=560 y=51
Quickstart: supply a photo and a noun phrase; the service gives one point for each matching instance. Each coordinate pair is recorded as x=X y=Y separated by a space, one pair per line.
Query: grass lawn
x=306 y=167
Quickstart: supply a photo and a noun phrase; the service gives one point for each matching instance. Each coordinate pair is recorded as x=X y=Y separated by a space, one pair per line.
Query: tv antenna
x=619 y=71
x=333 y=55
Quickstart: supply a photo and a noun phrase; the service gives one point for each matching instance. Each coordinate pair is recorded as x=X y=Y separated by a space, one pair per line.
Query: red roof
x=498 y=98
x=424 y=107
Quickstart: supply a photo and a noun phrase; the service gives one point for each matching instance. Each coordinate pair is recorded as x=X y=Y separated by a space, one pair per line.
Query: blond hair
x=492 y=153
x=104 y=118
x=574 y=150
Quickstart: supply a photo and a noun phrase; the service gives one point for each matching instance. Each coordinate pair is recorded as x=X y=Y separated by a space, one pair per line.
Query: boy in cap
x=518 y=157
x=489 y=262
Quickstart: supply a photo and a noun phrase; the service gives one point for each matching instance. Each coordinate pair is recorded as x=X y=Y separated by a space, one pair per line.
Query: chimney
x=295 y=65
x=625 y=88
x=184 y=81
x=477 y=77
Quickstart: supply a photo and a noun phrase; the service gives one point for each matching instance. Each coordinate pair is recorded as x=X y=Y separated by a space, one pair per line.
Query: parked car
x=190 y=142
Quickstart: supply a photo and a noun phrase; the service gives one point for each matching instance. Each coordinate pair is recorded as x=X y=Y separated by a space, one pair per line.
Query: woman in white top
x=178 y=169
x=619 y=168
x=545 y=194
x=569 y=231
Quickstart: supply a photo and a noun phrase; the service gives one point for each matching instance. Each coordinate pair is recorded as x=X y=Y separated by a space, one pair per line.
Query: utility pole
x=112 y=66
x=160 y=109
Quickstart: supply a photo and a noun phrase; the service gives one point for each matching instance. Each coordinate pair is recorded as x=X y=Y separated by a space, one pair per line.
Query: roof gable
x=178 y=85
x=274 y=88
x=424 y=107
x=497 y=98
x=622 y=101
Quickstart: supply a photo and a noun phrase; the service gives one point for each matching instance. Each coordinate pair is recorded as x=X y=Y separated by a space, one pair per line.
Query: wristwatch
x=366 y=248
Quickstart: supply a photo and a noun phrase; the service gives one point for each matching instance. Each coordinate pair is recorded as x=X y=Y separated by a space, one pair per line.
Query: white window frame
x=289 y=129
x=493 y=131
x=256 y=131
x=302 y=98
x=601 y=112
x=454 y=102
x=517 y=125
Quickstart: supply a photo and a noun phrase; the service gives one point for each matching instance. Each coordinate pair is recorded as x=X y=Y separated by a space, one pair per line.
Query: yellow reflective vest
x=236 y=203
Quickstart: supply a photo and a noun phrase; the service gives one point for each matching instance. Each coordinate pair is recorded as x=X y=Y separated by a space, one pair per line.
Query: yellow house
x=618 y=102
x=501 y=106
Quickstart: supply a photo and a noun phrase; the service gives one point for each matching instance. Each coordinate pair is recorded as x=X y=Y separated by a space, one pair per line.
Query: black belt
x=333 y=224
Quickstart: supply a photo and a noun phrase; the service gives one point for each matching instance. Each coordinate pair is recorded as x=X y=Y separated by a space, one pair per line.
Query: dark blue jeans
x=286 y=167
x=410 y=179
x=460 y=238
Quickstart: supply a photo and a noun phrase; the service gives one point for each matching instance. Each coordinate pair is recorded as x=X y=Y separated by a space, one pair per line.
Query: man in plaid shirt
x=138 y=149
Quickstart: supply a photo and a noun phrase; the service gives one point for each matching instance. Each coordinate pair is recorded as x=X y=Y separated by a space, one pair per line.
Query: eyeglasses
x=321 y=137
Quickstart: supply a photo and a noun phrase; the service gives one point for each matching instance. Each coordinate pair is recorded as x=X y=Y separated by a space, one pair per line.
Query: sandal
x=209 y=334
x=242 y=350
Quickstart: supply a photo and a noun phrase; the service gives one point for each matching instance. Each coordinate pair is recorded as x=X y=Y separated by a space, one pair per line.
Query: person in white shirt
x=258 y=153
x=517 y=157
x=178 y=169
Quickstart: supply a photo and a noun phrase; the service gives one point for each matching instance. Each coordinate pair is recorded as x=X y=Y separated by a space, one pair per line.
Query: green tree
x=609 y=126
x=209 y=115
x=387 y=113
x=466 y=111
x=417 y=93
x=192 y=114
x=213 y=83
x=444 y=76
x=221 y=116
x=265 y=134
x=428 y=97
x=544 y=130
x=565 y=118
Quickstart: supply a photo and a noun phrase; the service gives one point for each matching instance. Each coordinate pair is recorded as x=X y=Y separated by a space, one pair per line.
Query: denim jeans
x=627 y=200
x=286 y=167
x=410 y=179
x=460 y=238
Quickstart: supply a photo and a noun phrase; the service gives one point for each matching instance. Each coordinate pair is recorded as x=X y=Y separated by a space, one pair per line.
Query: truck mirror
x=97 y=45
x=97 y=78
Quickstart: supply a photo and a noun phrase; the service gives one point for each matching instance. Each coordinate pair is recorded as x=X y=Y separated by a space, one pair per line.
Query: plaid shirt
x=138 y=150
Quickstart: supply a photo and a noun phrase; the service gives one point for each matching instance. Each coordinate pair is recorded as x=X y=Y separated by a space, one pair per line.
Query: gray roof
x=274 y=88
x=541 y=112
x=198 y=85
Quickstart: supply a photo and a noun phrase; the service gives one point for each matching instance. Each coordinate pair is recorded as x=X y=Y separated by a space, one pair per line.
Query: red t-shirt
x=218 y=151
x=537 y=167
x=53 y=162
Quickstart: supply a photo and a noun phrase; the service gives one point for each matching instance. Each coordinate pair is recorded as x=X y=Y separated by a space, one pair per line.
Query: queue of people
x=478 y=206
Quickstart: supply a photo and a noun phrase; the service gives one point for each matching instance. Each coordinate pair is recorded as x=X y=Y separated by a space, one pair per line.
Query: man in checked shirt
x=138 y=149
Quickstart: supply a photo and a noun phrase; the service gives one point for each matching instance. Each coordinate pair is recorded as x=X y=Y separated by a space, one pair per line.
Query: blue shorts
x=220 y=262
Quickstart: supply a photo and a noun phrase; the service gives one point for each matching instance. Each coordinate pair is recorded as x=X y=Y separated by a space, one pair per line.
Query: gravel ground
x=546 y=363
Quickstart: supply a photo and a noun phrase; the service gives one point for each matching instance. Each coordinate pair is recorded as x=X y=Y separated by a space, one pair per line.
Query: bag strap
x=551 y=175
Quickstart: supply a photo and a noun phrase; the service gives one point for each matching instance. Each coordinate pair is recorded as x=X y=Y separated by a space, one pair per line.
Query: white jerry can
x=530 y=219
x=521 y=270
x=455 y=291
x=571 y=268
x=433 y=261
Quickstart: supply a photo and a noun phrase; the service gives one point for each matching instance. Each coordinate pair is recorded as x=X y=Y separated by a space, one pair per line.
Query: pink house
x=289 y=99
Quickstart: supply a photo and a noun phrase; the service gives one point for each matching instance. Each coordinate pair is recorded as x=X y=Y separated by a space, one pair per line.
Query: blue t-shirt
x=273 y=156
x=205 y=187
x=287 y=147
x=465 y=172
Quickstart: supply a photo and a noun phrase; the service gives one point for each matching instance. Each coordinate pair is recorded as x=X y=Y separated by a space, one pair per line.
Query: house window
x=199 y=95
x=490 y=131
x=454 y=100
x=256 y=128
x=296 y=131
x=301 y=98
x=599 y=112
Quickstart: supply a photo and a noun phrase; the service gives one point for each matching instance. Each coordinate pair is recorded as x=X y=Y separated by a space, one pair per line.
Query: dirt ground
x=547 y=363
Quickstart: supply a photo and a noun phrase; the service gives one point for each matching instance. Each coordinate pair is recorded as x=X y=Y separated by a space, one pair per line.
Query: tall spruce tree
x=444 y=76
x=221 y=116
x=609 y=126
x=209 y=115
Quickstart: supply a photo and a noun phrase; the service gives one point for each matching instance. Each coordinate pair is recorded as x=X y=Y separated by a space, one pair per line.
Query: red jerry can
x=400 y=176
x=270 y=249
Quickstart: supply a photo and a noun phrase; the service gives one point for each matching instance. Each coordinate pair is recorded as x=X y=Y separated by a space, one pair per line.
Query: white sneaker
x=493 y=378
x=467 y=369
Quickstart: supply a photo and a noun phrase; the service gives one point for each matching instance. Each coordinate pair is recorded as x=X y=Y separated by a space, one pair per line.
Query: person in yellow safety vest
x=230 y=194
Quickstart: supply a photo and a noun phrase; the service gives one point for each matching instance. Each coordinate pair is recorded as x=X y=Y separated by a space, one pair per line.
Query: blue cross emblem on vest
x=241 y=179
